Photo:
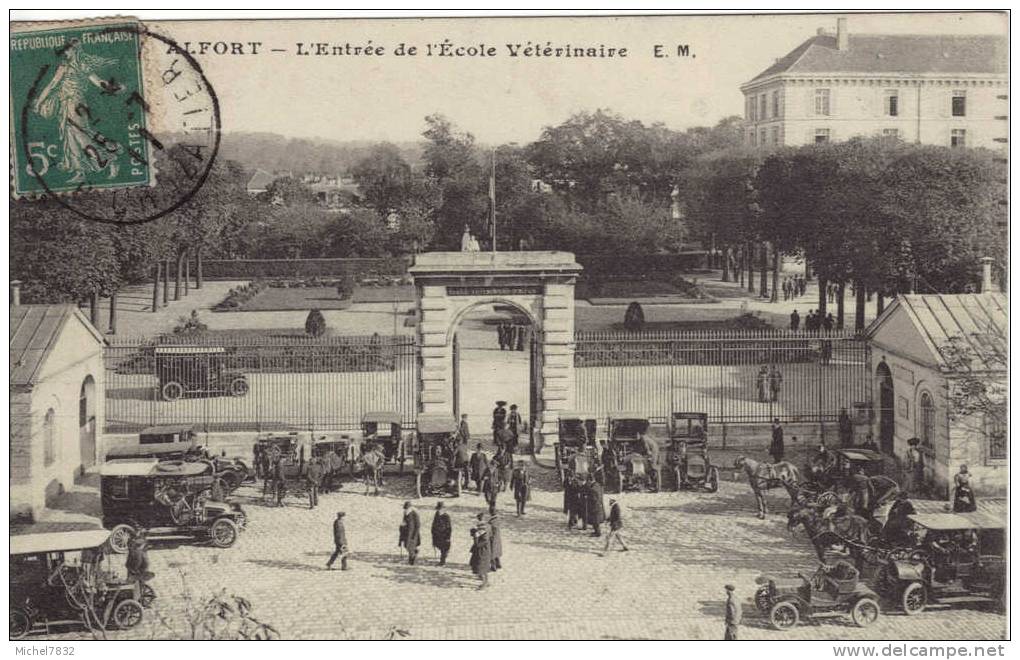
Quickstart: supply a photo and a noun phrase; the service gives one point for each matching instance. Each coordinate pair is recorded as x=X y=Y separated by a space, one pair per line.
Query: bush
x=190 y=325
x=345 y=287
x=315 y=324
x=634 y=317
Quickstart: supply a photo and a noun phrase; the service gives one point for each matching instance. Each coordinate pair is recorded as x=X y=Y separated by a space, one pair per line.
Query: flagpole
x=492 y=200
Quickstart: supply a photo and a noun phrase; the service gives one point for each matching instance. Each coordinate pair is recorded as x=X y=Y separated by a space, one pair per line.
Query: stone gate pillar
x=540 y=284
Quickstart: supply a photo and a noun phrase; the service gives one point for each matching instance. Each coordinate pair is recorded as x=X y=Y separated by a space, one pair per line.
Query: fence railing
x=734 y=376
x=226 y=382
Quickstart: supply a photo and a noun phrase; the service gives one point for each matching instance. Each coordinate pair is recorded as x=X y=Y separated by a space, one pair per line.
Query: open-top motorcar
x=687 y=455
x=66 y=578
x=577 y=449
x=385 y=430
x=170 y=442
x=434 y=471
x=849 y=461
x=166 y=498
x=288 y=447
x=201 y=370
x=828 y=591
x=631 y=457
x=958 y=557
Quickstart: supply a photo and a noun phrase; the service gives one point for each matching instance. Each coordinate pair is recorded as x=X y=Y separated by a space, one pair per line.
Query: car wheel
x=127 y=614
x=21 y=624
x=914 y=598
x=223 y=533
x=239 y=387
x=712 y=482
x=865 y=612
x=120 y=536
x=172 y=391
x=784 y=615
x=148 y=595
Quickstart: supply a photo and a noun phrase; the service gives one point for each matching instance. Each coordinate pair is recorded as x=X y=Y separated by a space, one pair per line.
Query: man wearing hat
x=442 y=532
x=732 y=614
x=340 y=543
x=615 y=525
x=478 y=464
x=520 y=483
x=515 y=424
x=410 y=532
x=498 y=419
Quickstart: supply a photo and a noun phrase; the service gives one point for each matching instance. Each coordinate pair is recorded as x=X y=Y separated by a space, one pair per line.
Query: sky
x=502 y=99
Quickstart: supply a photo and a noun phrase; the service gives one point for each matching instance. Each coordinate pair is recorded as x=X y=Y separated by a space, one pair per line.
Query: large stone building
x=947 y=90
x=56 y=389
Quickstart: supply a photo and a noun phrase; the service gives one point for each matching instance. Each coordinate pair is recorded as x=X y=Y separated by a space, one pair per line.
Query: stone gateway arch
x=540 y=285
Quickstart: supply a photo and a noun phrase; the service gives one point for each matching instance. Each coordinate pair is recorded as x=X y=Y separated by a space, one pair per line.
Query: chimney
x=16 y=293
x=842 y=35
x=986 y=274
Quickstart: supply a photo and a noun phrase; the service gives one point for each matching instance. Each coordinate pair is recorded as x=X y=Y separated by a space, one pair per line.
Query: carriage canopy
x=949 y=522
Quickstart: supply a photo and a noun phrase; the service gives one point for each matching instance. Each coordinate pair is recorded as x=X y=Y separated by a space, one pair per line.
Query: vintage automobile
x=824 y=593
x=385 y=430
x=687 y=455
x=577 y=449
x=631 y=464
x=434 y=473
x=166 y=498
x=180 y=442
x=288 y=447
x=185 y=370
x=66 y=578
x=958 y=557
x=848 y=461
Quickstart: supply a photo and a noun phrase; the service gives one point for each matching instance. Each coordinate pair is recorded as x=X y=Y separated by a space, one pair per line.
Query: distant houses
x=331 y=191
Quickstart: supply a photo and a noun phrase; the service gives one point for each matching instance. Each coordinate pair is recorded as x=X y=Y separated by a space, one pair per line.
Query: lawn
x=638 y=288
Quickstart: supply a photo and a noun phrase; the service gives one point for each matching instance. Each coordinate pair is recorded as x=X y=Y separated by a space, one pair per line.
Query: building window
x=748 y=104
x=958 y=137
x=50 y=437
x=764 y=107
x=753 y=106
x=927 y=420
x=775 y=104
x=761 y=139
x=892 y=103
x=821 y=135
x=822 y=102
x=995 y=431
x=775 y=135
x=893 y=133
x=959 y=103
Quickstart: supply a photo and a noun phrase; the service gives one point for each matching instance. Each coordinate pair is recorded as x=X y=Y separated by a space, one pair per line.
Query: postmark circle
x=178 y=164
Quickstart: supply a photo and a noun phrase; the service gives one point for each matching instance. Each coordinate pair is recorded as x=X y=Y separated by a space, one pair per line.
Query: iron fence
x=227 y=382
x=734 y=376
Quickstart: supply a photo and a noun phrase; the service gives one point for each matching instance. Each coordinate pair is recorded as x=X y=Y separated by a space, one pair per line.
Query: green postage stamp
x=78 y=119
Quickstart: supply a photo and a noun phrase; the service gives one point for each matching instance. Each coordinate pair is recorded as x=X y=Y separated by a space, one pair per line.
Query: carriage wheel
x=120 y=536
x=21 y=623
x=865 y=612
x=239 y=386
x=148 y=595
x=172 y=391
x=223 y=533
x=914 y=598
x=417 y=484
x=784 y=615
x=712 y=481
x=127 y=614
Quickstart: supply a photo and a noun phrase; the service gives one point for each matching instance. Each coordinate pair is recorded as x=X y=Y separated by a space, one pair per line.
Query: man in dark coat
x=897 y=525
x=481 y=551
x=794 y=321
x=496 y=542
x=596 y=510
x=776 y=448
x=615 y=526
x=442 y=532
x=479 y=463
x=462 y=461
x=339 y=543
x=463 y=430
x=137 y=563
x=515 y=424
x=257 y=460
x=410 y=532
x=498 y=419
x=490 y=490
x=520 y=482
x=569 y=507
x=314 y=476
x=733 y=615
x=279 y=481
x=846 y=429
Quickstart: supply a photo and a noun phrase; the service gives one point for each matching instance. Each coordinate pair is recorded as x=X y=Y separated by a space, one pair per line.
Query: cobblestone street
x=684 y=547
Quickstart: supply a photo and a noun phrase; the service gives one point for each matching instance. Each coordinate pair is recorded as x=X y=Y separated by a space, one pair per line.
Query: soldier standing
x=596 y=509
x=733 y=614
x=442 y=532
x=520 y=482
x=314 y=477
x=339 y=543
x=410 y=532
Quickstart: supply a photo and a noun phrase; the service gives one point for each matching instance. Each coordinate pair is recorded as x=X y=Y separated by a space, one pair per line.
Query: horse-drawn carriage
x=434 y=456
x=577 y=449
x=169 y=498
x=688 y=452
x=66 y=578
x=385 y=431
x=631 y=457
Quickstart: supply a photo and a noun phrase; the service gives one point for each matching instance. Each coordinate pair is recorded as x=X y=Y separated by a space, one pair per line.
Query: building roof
x=260 y=181
x=33 y=334
x=28 y=544
x=978 y=319
x=896 y=54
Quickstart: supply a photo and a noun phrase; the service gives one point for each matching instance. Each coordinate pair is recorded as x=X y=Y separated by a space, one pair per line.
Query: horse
x=371 y=463
x=763 y=476
x=827 y=527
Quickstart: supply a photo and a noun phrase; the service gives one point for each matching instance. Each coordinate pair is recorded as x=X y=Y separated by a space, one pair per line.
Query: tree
x=634 y=317
x=315 y=324
x=383 y=177
x=452 y=166
x=360 y=233
x=287 y=191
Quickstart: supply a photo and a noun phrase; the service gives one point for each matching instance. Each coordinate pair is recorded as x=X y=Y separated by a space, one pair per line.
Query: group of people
x=814 y=322
x=794 y=287
x=583 y=505
x=768 y=383
x=322 y=473
x=494 y=476
x=507 y=426
x=512 y=336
